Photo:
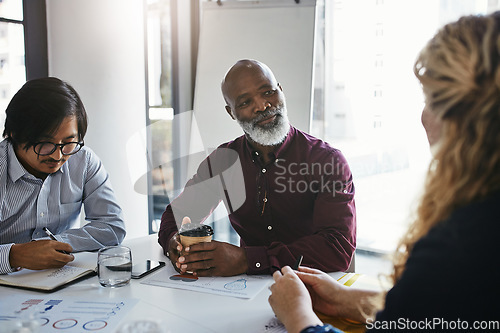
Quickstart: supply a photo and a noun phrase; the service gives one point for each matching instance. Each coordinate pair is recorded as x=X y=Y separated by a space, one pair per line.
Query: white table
x=179 y=310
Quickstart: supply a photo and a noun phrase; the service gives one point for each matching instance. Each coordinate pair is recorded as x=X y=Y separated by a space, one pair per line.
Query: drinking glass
x=114 y=266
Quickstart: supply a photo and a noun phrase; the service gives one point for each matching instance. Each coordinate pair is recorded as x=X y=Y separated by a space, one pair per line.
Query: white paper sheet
x=240 y=286
x=54 y=313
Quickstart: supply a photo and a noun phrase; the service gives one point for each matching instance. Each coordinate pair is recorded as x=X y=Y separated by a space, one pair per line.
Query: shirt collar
x=280 y=149
x=16 y=169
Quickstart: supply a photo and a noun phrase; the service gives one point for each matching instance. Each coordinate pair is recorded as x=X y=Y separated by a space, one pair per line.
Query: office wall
x=279 y=33
x=98 y=47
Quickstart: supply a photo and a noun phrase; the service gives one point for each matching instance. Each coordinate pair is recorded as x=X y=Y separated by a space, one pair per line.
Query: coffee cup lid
x=196 y=230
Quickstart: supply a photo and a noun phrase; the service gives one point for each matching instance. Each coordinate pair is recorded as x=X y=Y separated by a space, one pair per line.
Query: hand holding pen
x=40 y=254
x=51 y=235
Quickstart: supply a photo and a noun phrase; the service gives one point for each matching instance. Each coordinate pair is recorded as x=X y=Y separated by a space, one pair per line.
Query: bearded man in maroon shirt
x=288 y=194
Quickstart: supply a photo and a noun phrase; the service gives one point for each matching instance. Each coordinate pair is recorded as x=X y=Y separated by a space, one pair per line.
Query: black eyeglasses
x=48 y=148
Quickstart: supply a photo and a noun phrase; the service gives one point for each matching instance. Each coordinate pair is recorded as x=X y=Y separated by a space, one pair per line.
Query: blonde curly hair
x=459 y=70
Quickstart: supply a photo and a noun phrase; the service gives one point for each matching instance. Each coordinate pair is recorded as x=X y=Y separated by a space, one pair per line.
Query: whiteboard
x=279 y=33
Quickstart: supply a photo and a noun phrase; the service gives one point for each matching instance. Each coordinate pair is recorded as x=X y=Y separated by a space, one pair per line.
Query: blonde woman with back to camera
x=446 y=268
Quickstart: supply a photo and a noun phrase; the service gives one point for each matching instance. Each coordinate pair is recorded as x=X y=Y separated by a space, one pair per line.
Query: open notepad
x=84 y=265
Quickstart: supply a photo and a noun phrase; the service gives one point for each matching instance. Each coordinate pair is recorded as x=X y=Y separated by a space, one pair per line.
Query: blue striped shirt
x=28 y=204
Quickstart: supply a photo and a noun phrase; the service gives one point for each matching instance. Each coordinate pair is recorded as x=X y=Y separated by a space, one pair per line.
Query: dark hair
x=39 y=108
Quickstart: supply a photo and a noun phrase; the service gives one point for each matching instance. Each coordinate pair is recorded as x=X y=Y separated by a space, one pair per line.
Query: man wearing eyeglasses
x=46 y=175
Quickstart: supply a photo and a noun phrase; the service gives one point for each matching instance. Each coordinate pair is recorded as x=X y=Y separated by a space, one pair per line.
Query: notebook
x=48 y=280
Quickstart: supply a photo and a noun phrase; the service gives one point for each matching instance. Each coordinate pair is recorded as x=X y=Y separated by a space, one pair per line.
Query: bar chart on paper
x=53 y=314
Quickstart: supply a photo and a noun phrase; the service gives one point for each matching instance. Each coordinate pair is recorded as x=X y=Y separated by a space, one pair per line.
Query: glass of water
x=114 y=266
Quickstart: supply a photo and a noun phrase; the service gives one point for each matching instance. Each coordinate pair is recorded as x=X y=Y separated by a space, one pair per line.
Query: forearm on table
x=316 y=251
x=93 y=236
x=327 y=251
x=334 y=235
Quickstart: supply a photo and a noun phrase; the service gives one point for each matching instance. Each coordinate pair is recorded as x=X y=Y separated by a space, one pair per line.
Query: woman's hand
x=291 y=302
x=328 y=296
x=334 y=299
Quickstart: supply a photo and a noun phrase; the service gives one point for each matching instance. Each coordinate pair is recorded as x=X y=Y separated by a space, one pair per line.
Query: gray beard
x=270 y=134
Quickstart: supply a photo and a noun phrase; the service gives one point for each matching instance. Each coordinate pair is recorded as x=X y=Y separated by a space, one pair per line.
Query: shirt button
x=257 y=153
x=265 y=199
x=41 y=214
x=264 y=170
x=345 y=191
x=257 y=264
x=269 y=227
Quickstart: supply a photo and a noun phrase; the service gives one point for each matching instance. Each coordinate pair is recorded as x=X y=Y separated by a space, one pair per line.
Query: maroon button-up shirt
x=301 y=203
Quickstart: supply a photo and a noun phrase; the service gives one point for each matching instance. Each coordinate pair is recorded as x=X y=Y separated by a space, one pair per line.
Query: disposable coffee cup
x=193 y=233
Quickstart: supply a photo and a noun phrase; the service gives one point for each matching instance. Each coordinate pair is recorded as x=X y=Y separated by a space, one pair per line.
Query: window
x=172 y=39
x=23 y=46
x=160 y=112
x=368 y=103
x=12 y=68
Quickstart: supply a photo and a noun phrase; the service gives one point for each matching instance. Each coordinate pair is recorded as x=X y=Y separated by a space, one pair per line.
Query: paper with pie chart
x=64 y=314
x=240 y=286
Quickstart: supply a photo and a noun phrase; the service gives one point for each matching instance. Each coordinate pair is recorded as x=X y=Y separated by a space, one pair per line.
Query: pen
x=298 y=262
x=51 y=235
